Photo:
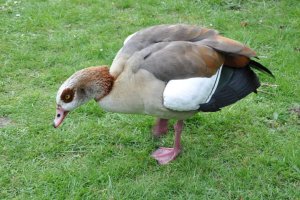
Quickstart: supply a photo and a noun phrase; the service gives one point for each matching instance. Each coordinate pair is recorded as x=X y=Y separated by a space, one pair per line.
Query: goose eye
x=67 y=95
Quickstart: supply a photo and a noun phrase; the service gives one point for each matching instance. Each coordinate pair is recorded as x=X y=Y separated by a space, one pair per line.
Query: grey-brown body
x=153 y=56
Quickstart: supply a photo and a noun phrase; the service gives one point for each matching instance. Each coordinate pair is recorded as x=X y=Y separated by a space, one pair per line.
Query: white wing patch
x=187 y=94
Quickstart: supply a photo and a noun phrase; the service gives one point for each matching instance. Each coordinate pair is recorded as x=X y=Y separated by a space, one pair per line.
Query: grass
x=249 y=150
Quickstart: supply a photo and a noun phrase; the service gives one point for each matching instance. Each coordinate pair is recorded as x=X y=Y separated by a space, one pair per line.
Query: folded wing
x=180 y=51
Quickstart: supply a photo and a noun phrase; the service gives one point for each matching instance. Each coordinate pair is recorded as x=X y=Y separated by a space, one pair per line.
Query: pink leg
x=164 y=155
x=160 y=128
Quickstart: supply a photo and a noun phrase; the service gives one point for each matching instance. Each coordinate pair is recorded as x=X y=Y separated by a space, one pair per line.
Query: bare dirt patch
x=295 y=110
x=4 y=121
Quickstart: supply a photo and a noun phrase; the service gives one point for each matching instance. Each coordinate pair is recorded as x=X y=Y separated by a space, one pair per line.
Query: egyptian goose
x=167 y=71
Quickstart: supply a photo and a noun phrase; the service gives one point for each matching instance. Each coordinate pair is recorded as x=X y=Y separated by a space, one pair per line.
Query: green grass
x=250 y=150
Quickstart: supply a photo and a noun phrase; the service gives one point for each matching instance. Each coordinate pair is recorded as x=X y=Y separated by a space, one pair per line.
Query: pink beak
x=60 y=116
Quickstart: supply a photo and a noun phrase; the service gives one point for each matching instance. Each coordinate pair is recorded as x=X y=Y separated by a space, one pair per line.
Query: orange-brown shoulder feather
x=235 y=53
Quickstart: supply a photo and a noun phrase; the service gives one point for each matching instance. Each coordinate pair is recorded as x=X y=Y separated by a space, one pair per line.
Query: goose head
x=82 y=86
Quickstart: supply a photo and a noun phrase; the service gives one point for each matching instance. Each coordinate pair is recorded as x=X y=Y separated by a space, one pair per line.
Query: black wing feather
x=260 y=67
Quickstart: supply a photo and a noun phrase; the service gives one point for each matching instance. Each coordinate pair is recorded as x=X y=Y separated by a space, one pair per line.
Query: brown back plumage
x=180 y=51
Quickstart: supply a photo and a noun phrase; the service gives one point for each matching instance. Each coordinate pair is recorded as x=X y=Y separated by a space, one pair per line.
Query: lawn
x=249 y=150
